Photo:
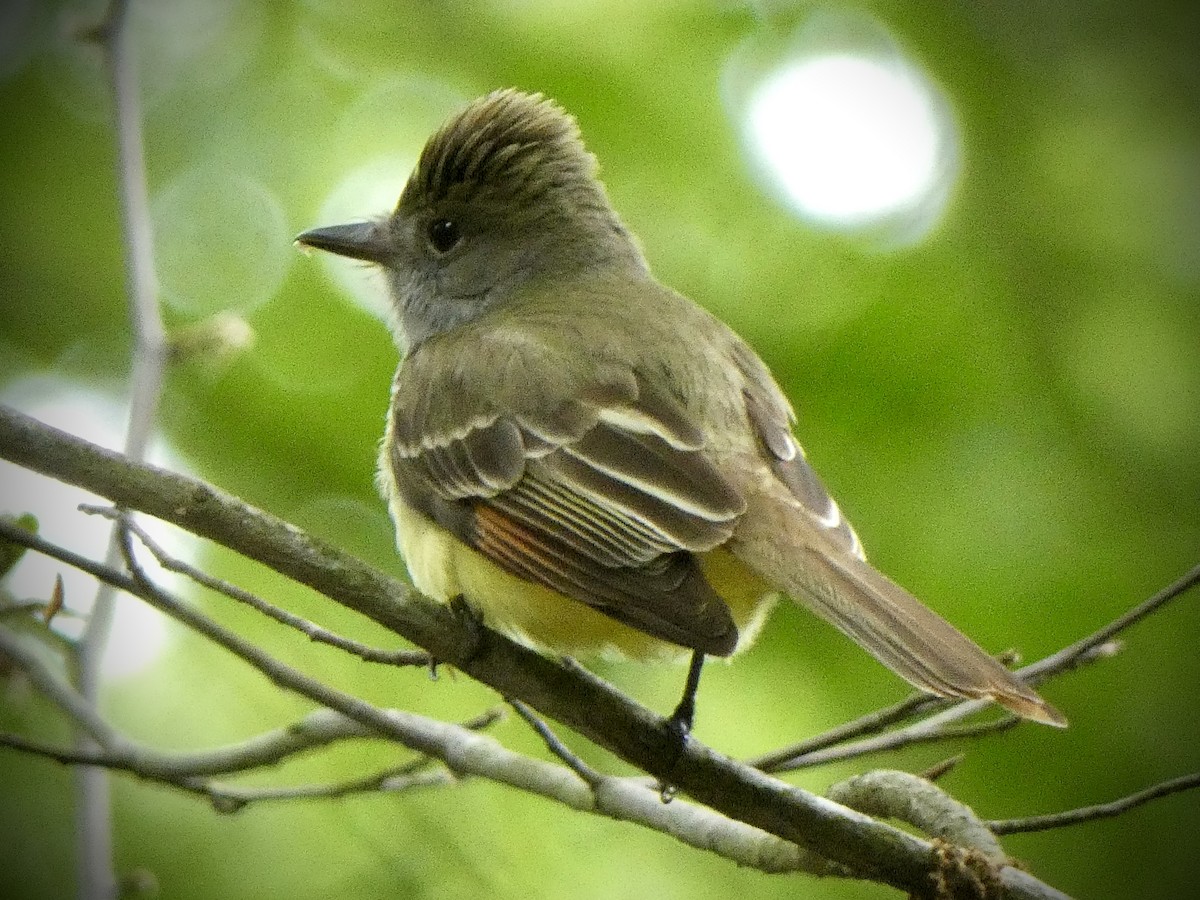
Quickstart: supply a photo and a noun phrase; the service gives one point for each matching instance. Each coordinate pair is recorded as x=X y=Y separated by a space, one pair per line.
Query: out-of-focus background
x=964 y=236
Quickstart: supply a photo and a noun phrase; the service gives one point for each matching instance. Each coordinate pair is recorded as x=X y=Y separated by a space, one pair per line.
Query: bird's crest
x=508 y=143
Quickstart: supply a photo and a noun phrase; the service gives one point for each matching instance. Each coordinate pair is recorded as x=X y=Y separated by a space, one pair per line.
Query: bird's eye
x=444 y=235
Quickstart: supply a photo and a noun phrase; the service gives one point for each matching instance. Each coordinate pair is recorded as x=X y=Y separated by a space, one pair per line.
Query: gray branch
x=1062 y=819
x=97 y=880
x=854 y=842
x=311 y=630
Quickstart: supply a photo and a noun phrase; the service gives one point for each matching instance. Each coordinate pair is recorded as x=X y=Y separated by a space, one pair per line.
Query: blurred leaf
x=10 y=553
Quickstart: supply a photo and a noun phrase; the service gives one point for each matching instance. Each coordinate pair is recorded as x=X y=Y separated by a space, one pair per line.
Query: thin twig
x=1069 y=656
x=82 y=714
x=225 y=798
x=891 y=741
x=756 y=804
x=941 y=723
x=942 y=713
x=309 y=629
x=554 y=744
x=871 y=723
x=96 y=877
x=320 y=728
x=395 y=779
x=228 y=798
x=191 y=771
x=1099 y=811
x=102 y=572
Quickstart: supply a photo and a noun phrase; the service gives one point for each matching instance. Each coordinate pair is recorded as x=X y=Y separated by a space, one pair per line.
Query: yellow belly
x=443 y=567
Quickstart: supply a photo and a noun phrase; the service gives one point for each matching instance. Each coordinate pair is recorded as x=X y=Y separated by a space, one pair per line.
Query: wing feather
x=771 y=416
x=601 y=494
x=679 y=526
x=686 y=481
x=659 y=599
x=496 y=455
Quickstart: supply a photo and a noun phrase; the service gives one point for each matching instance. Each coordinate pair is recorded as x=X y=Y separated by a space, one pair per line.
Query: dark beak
x=359 y=240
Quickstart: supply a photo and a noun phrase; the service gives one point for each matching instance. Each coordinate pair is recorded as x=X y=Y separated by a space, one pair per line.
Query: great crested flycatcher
x=589 y=459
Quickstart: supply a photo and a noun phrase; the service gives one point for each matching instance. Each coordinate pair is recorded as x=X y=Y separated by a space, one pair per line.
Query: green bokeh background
x=1009 y=409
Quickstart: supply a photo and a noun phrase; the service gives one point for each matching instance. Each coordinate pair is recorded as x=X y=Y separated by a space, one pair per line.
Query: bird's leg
x=679 y=725
x=680 y=722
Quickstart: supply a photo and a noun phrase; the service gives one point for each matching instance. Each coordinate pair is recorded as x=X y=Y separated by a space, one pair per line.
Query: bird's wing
x=771 y=417
x=599 y=490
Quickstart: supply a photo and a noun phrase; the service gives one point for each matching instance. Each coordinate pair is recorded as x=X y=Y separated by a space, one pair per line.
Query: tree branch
x=1099 y=811
x=858 y=843
x=868 y=724
x=74 y=705
x=555 y=745
x=919 y=802
x=191 y=771
x=462 y=751
x=1101 y=642
x=928 y=731
x=391 y=781
x=831 y=746
x=309 y=629
x=94 y=862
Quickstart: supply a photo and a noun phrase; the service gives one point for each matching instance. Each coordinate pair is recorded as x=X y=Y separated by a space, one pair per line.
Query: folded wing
x=602 y=495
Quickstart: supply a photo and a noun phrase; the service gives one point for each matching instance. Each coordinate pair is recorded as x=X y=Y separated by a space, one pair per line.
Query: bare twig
x=824 y=748
x=394 y=779
x=309 y=629
x=97 y=880
x=554 y=744
x=228 y=798
x=103 y=572
x=940 y=730
x=1101 y=641
x=148 y=764
x=919 y=802
x=773 y=820
x=318 y=729
x=191 y=771
x=1099 y=811
x=74 y=705
x=871 y=723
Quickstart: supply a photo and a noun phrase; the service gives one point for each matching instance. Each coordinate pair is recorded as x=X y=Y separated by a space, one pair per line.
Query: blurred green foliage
x=1008 y=410
x=10 y=554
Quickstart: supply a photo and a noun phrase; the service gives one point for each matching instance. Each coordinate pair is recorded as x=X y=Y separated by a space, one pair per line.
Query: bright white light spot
x=370 y=190
x=849 y=139
x=139 y=633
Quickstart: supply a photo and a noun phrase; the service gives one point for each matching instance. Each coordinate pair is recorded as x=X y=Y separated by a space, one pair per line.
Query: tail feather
x=906 y=636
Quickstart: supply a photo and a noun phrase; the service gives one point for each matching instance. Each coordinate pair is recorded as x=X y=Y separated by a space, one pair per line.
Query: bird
x=589 y=460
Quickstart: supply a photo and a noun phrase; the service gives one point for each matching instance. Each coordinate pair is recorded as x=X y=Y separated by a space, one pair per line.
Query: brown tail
x=904 y=634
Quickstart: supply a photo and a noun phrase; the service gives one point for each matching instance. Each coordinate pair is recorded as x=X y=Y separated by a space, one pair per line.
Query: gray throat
x=421 y=318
